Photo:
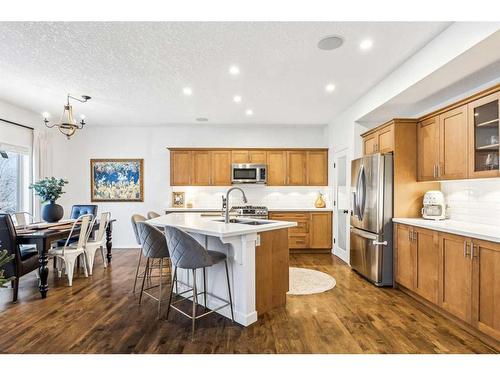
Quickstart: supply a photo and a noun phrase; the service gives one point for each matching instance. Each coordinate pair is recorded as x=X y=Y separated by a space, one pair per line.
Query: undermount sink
x=238 y=221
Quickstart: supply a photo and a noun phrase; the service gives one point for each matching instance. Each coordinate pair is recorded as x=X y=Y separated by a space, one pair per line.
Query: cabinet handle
x=439 y=169
x=384 y=243
x=465 y=249
x=473 y=247
x=434 y=171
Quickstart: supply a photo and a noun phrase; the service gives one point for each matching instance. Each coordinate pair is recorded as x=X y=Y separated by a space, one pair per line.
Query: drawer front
x=302 y=227
x=291 y=216
x=298 y=241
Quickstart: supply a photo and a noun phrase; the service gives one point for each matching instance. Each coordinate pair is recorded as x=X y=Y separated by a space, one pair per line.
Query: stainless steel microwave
x=248 y=173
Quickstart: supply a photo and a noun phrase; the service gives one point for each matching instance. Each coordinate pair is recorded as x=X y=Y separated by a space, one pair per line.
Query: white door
x=342 y=206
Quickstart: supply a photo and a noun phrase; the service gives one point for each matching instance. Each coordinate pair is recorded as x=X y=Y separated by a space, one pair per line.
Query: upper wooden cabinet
x=484 y=136
x=428 y=148
x=379 y=140
x=442 y=146
x=180 y=167
x=221 y=168
x=205 y=167
x=276 y=167
x=296 y=167
x=317 y=168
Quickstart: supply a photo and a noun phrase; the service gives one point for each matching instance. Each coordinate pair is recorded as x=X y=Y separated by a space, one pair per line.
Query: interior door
x=342 y=203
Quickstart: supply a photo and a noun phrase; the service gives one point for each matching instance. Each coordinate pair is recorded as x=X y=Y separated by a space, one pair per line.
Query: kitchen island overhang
x=257 y=259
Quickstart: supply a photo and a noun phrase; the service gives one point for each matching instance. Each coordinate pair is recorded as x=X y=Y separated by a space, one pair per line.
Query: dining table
x=43 y=235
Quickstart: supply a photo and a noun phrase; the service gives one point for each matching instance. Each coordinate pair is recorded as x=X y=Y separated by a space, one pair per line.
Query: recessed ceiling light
x=330 y=42
x=187 y=91
x=46 y=114
x=366 y=44
x=237 y=98
x=330 y=87
x=201 y=119
x=234 y=70
x=249 y=112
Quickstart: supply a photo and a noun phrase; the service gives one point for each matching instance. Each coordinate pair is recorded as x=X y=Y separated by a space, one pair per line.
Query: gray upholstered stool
x=154 y=246
x=187 y=253
x=136 y=218
x=153 y=215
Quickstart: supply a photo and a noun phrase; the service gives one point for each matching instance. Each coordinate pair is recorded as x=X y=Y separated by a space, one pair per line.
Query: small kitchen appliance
x=248 y=173
x=434 y=206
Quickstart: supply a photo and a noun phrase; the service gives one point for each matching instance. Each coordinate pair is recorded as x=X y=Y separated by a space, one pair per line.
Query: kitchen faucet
x=226 y=220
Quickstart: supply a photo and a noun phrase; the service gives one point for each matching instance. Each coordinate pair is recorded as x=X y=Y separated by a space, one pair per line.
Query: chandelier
x=67 y=124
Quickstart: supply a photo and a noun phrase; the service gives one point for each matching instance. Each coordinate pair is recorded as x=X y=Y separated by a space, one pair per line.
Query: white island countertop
x=461 y=228
x=211 y=226
x=271 y=209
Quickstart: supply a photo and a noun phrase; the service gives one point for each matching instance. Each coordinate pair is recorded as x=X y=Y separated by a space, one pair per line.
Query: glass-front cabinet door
x=484 y=145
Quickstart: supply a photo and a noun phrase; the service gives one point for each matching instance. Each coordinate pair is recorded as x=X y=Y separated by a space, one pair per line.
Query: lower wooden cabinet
x=459 y=274
x=313 y=230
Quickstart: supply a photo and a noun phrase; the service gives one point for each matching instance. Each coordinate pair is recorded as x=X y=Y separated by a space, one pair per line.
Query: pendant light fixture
x=67 y=124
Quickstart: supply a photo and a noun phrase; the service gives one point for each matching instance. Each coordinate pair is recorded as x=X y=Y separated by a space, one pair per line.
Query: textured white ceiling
x=135 y=71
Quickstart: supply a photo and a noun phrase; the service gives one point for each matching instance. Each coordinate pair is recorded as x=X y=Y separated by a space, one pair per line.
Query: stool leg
x=194 y=303
x=137 y=270
x=204 y=288
x=159 y=294
x=172 y=291
x=146 y=269
x=229 y=290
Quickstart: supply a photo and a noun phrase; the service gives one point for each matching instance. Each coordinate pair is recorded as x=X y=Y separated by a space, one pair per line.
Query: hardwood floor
x=101 y=315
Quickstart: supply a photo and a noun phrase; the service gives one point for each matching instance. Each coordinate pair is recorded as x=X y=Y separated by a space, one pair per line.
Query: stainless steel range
x=256 y=212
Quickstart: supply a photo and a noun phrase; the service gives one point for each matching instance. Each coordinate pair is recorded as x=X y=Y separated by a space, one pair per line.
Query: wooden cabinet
x=442 y=146
x=426 y=273
x=205 y=167
x=321 y=230
x=317 y=168
x=453 y=147
x=428 y=149
x=417 y=255
x=484 y=148
x=296 y=167
x=455 y=275
x=486 y=287
x=276 y=167
x=201 y=168
x=313 y=230
x=380 y=140
x=459 y=274
x=248 y=156
x=180 y=167
x=220 y=168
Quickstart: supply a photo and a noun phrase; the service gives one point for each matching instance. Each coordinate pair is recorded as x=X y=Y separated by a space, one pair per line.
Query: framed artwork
x=178 y=199
x=117 y=180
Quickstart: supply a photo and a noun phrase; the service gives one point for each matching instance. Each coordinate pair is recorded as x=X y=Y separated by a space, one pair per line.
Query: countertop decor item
x=67 y=125
x=178 y=199
x=49 y=190
x=320 y=201
x=116 y=180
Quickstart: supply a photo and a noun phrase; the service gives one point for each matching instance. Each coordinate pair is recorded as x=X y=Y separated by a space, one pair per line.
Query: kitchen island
x=257 y=252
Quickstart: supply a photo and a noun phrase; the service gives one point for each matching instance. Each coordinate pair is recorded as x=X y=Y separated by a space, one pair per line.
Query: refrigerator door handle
x=364 y=234
x=361 y=192
x=383 y=243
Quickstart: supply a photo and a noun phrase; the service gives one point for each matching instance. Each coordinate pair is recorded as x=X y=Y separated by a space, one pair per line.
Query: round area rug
x=305 y=281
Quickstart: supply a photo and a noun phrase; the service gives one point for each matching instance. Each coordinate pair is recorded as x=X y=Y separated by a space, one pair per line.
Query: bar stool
x=186 y=253
x=136 y=218
x=153 y=215
x=154 y=246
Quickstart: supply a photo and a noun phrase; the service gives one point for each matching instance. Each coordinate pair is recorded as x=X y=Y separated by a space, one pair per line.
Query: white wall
x=71 y=160
x=474 y=201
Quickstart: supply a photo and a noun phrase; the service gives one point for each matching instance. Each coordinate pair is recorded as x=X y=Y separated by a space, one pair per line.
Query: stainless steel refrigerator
x=371 y=218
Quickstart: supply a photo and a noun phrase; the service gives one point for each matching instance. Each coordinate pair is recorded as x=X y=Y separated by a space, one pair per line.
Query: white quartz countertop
x=462 y=228
x=288 y=209
x=195 y=223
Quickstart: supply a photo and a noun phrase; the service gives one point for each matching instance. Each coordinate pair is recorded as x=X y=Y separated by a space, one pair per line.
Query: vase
x=52 y=212
x=320 y=202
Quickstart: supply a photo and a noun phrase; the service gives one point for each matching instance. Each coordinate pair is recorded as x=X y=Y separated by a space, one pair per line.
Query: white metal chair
x=68 y=254
x=20 y=218
x=99 y=242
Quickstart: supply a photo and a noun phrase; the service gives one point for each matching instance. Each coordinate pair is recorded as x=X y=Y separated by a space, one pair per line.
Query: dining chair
x=153 y=215
x=25 y=259
x=99 y=242
x=78 y=210
x=68 y=254
x=20 y=220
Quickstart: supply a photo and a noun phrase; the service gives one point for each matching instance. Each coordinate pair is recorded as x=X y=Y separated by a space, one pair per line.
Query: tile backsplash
x=476 y=201
x=272 y=197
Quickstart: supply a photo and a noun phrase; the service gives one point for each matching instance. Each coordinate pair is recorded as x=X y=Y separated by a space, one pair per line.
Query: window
x=14 y=180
